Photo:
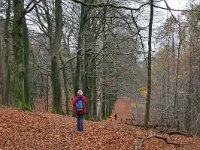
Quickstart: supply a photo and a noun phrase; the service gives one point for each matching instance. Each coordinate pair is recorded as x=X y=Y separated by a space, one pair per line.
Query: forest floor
x=25 y=130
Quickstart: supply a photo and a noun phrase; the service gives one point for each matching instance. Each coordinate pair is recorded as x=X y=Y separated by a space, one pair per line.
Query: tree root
x=158 y=137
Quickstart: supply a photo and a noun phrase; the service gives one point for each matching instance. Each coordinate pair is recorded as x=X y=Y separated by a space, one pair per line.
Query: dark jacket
x=84 y=102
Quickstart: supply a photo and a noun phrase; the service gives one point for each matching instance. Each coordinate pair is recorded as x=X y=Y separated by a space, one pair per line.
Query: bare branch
x=138 y=31
x=171 y=9
x=27 y=9
x=139 y=146
x=179 y=133
x=110 y=5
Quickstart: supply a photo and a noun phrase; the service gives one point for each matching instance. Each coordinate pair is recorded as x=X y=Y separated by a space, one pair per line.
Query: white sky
x=181 y=4
x=177 y=4
x=161 y=15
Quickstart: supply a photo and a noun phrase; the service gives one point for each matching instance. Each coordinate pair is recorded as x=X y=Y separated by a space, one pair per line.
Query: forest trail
x=123 y=110
x=21 y=130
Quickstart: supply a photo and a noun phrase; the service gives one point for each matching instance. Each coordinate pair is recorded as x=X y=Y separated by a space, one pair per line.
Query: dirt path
x=123 y=110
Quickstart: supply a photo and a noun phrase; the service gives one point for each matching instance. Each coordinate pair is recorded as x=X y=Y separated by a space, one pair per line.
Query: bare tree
x=146 y=119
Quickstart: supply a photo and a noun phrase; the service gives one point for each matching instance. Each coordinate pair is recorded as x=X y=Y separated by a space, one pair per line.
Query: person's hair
x=80 y=92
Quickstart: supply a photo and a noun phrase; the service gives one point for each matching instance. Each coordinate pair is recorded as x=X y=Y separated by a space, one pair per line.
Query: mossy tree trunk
x=18 y=48
x=1 y=67
x=26 y=64
x=7 y=54
x=55 y=71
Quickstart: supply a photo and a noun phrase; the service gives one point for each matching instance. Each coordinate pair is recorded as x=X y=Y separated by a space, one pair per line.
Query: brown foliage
x=27 y=130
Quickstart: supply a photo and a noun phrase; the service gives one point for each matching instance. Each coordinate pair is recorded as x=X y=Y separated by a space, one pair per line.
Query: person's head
x=80 y=92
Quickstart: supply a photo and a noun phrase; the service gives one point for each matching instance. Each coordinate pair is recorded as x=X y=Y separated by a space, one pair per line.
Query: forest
x=142 y=51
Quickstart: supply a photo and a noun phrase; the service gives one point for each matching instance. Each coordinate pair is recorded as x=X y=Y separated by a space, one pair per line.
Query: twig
x=28 y=9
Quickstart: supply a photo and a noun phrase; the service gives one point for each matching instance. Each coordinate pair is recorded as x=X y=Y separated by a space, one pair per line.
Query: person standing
x=115 y=116
x=110 y=117
x=79 y=104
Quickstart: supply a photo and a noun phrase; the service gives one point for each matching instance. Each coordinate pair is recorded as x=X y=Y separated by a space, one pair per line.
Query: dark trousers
x=80 y=122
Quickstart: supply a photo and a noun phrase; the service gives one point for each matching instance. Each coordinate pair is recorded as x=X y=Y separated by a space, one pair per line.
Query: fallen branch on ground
x=179 y=133
x=159 y=137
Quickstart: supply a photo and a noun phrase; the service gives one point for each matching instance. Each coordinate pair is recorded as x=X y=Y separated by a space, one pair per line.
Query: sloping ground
x=46 y=131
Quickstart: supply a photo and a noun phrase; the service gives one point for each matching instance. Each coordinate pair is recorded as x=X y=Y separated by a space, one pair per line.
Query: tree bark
x=80 y=46
x=18 y=48
x=146 y=119
x=26 y=64
x=67 y=75
x=77 y=74
x=1 y=68
x=55 y=72
x=65 y=86
x=189 y=90
x=7 y=54
x=94 y=91
x=176 y=107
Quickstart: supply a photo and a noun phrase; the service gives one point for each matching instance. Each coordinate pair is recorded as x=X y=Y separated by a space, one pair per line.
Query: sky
x=181 y=4
x=161 y=15
x=177 y=4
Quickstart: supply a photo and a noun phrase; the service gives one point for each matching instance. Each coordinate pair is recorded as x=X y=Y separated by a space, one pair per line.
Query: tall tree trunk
x=189 y=97
x=47 y=94
x=81 y=38
x=87 y=81
x=197 y=89
x=7 y=54
x=188 y=109
x=168 y=83
x=94 y=89
x=79 y=49
x=67 y=75
x=26 y=64
x=176 y=107
x=18 y=48
x=146 y=119
x=1 y=63
x=65 y=86
x=1 y=68
x=99 y=99
x=198 y=100
x=55 y=76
